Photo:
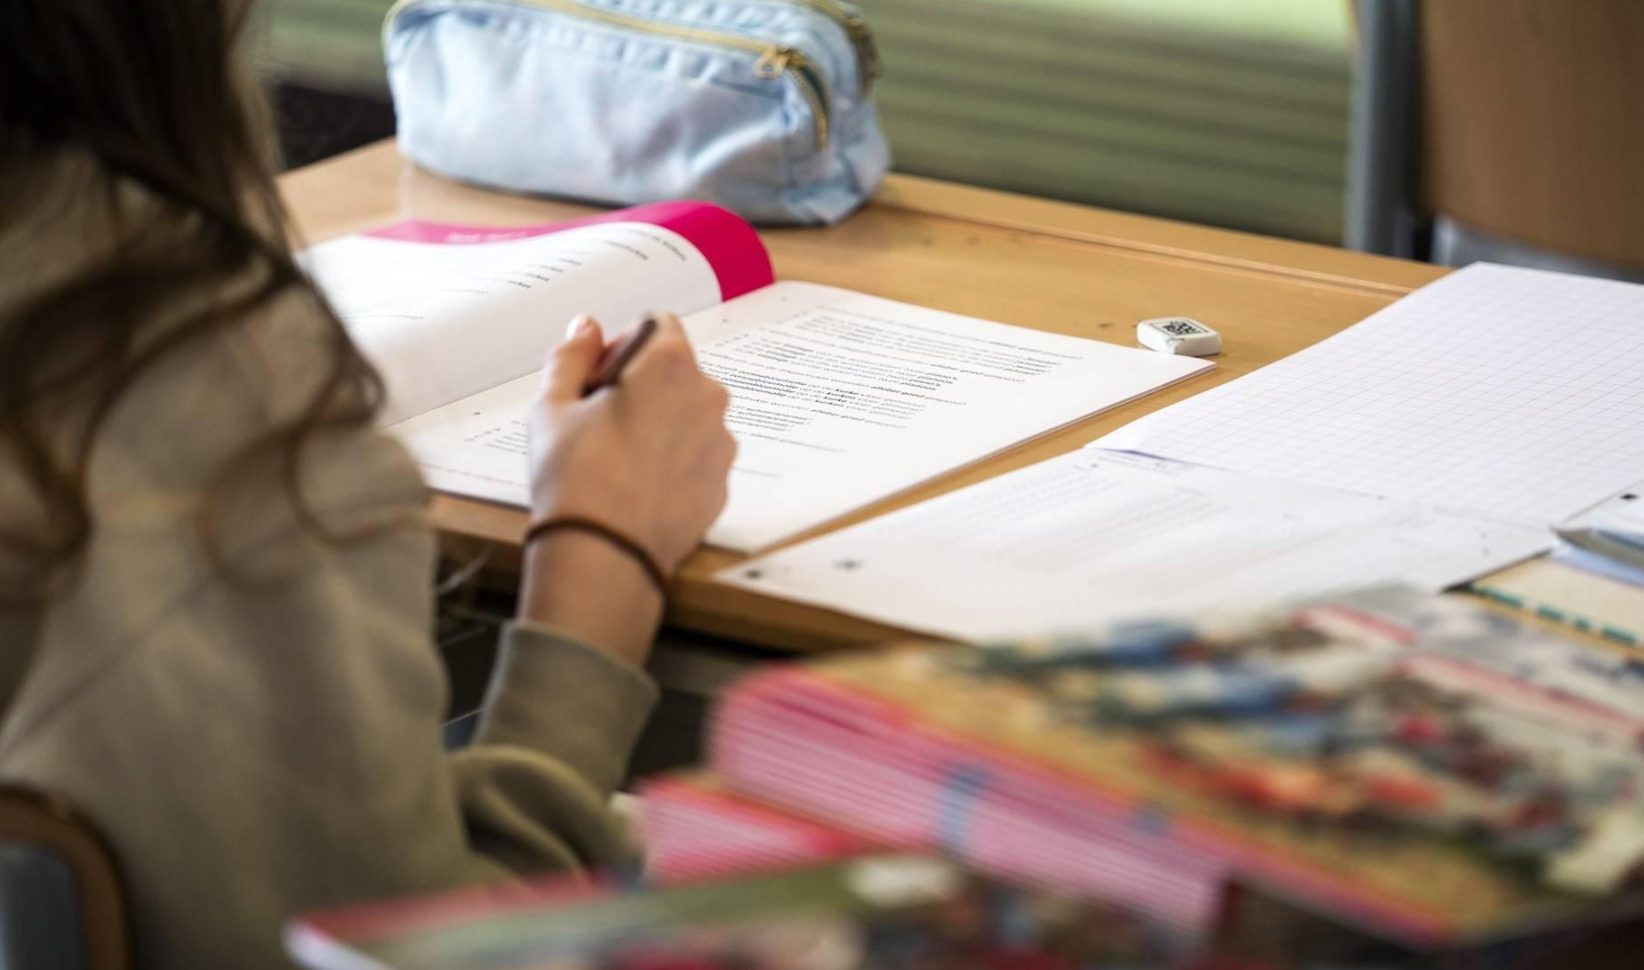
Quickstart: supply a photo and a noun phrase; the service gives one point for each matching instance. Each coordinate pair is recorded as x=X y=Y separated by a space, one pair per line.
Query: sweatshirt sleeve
x=561 y=717
x=560 y=720
x=531 y=792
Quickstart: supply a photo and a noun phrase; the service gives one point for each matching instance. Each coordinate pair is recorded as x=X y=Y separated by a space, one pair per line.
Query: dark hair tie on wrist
x=653 y=569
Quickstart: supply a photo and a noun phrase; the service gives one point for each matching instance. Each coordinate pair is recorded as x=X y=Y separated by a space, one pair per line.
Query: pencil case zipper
x=773 y=60
x=869 y=67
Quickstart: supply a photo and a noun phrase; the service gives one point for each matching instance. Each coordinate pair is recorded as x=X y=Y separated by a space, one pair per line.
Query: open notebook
x=837 y=398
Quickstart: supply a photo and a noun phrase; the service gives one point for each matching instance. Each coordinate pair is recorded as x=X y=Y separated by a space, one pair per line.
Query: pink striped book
x=693 y=827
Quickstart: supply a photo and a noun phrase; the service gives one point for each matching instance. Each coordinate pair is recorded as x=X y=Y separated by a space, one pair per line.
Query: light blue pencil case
x=761 y=106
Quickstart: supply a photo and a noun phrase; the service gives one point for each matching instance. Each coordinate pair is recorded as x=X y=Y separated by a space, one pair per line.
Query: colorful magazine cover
x=1431 y=771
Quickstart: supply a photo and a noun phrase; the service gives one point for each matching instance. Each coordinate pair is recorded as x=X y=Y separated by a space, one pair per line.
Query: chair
x=62 y=902
x=1508 y=130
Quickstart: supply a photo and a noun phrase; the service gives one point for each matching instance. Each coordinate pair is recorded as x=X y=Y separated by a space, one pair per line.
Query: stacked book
x=696 y=828
x=1417 y=768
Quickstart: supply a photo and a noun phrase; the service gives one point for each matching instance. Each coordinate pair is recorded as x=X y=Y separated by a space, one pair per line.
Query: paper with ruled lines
x=837 y=399
x=1094 y=537
x=1508 y=392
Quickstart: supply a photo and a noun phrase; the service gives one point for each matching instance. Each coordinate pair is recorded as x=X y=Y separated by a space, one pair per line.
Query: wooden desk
x=1047 y=265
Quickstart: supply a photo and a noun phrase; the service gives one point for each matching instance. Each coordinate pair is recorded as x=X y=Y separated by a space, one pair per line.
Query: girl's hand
x=647 y=457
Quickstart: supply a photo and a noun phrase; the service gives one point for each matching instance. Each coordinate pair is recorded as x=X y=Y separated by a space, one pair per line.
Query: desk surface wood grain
x=1034 y=263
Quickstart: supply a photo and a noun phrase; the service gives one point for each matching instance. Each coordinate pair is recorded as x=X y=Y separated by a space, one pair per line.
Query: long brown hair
x=153 y=92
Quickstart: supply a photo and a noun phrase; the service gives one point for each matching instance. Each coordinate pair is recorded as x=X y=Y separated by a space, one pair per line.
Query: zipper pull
x=777 y=60
x=871 y=67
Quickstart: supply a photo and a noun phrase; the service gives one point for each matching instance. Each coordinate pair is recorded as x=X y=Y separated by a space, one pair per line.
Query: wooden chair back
x=37 y=826
x=1530 y=121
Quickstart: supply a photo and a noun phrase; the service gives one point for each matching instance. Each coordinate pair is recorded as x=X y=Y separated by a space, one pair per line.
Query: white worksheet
x=837 y=399
x=1097 y=536
x=1514 y=393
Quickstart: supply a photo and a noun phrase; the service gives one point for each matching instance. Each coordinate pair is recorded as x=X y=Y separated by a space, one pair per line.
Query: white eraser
x=1179 y=335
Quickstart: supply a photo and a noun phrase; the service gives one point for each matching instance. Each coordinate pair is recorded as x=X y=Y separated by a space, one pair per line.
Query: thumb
x=572 y=362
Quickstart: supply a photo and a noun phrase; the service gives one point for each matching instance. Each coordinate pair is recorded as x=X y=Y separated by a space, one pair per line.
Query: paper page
x=837 y=399
x=1097 y=536
x=1510 y=392
x=446 y=311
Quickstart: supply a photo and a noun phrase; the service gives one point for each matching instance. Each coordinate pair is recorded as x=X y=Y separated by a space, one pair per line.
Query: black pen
x=612 y=371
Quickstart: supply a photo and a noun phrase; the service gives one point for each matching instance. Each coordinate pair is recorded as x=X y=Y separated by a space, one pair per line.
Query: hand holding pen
x=620 y=355
x=629 y=456
x=632 y=433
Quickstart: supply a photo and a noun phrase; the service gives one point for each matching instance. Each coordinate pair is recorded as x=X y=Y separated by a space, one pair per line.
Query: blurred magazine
x=884 y=911
x=1416 y=767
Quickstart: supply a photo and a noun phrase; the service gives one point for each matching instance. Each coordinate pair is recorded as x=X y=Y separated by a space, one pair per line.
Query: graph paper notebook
x=1509 y=392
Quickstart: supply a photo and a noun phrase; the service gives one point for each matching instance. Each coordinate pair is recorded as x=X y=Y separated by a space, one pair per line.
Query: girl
x=215 y=575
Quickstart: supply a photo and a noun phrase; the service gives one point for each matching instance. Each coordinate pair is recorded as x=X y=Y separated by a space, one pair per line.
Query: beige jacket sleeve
x=267 y=743
x=553 y=743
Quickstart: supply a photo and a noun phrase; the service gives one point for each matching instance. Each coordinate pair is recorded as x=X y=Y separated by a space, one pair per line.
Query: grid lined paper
x=1508 y=392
